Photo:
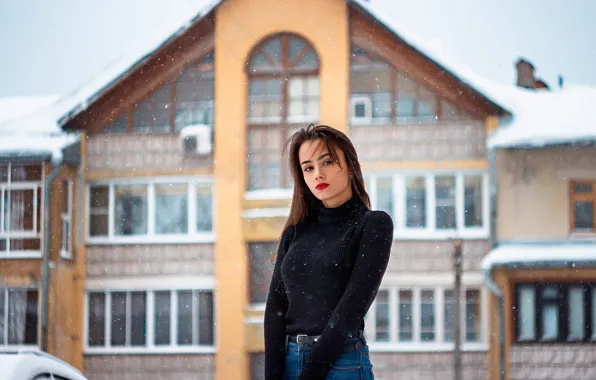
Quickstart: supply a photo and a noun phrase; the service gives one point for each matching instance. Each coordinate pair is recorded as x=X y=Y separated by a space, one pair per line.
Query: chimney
x=525 y=74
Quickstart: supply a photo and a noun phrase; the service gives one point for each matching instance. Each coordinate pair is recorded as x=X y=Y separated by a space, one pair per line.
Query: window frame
x=429 y=231
x=6 y=345
x=150 y=287
x=151 y=237
x=367 y=102
x=416 y=344
x=66 y=220
x=574 y=196
x=563 y=329
x=38 y=214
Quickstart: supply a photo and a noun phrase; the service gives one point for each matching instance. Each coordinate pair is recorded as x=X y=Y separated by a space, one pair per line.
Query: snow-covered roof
x=542 y=118
x=14 y=107
x=34 y=131
x=552 y=254
x=89 y=93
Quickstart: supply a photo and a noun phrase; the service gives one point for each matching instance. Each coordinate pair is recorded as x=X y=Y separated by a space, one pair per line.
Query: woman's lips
x=322 y=186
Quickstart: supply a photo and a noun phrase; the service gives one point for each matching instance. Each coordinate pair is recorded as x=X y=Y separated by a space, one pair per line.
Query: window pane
x=382 y=316
x=118 y=125
x=427 y=103
x=195 y=94
x=582 y=188
x=473 y=319
x=406 y=96
x=118 y=333
x=98 y=209
x=381 y=105
x=550 y=313
x=584 y=216
x=204 y=208
x=416 y=202
x=184 y=317
x=385 y=194
x=448 y=317
x=593 y=312
x=206 y=318
x=576 y=313
x=473 y=201
x=527 y=313
x=138 y=320
x=406 y=329
x=261 y=270
x=19 y=210
x=162 y=318
x=427 y=315
x=3 y=173
x=25 y=172
x=2 y=311
x=153 y=113
x=97 y=319
x=131 y=210
x=445 y=202
x=22 y=316
x=171 y=209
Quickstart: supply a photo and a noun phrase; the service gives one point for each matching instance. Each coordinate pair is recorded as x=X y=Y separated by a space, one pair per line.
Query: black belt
x=309 y=340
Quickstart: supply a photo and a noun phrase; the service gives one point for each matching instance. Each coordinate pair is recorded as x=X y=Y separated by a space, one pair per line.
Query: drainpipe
x=46 y=253
x=492 y=286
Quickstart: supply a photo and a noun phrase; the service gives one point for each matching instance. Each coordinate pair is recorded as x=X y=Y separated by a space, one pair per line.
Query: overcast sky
x=52 y=47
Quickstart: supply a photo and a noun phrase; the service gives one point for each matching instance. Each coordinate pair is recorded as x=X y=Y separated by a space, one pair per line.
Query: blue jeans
x=351 y=365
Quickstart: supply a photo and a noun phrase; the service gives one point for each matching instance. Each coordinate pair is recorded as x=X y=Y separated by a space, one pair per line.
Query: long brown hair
x=304 y=203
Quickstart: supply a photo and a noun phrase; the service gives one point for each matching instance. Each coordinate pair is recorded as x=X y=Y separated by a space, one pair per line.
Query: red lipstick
x=322 y=186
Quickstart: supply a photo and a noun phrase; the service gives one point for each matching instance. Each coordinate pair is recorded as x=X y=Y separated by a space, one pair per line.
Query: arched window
x=283 y=95
x=381 y=94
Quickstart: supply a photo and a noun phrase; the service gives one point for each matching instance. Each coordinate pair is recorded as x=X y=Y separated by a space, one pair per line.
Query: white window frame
x=66 y=224
x=150 y=286
x=430 y=232
x=361 y=99
x=193 y=236
x=16 y=347
x=395 y=285
x=26 y=234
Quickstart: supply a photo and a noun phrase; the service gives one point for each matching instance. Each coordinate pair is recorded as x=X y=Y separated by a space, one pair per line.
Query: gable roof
x=109 y=78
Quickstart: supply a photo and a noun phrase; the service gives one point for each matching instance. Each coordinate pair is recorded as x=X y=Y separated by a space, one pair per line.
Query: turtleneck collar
x=349 y=209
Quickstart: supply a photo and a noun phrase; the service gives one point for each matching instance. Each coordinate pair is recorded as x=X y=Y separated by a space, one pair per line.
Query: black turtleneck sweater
x=326 y=275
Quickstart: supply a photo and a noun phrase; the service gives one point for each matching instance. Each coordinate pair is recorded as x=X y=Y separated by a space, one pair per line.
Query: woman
x=332 y=255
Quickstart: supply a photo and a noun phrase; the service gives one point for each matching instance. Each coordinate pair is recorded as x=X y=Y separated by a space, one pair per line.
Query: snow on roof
x=135 y=57
x=540 y=254
x=542 y=118
x=144 y=49
x=14 y=107
x=35 y=133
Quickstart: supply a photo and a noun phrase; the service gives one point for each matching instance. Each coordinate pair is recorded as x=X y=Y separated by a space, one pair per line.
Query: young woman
x=332 y=255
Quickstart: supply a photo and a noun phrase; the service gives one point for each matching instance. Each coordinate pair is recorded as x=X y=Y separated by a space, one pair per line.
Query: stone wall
x=553 y=362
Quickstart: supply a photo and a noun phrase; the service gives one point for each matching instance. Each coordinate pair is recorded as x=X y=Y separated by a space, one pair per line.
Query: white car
x=33 y=364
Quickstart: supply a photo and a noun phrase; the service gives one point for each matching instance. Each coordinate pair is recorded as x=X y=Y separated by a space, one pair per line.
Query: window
x=183 y=101
x=283 y=95
x=261 y=270
x=153 y=211
x=433 y=205
x=381 y=94
x=18 y=316
x=139 y=321
x=20 y=209
x=66 y=219
x=555 y=313
x=423 y=316
x=583 y=199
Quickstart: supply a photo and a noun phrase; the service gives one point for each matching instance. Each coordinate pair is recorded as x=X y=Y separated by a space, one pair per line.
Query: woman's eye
x=328 y=162
x=308 y=168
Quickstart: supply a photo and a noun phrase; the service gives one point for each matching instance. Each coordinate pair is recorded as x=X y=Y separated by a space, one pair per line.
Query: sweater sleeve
x=372 y=257
x=275 y=312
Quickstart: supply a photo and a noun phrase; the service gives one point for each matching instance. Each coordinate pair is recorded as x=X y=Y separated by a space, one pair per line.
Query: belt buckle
x=299 y=336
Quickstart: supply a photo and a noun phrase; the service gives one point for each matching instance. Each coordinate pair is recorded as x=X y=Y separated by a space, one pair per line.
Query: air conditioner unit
x=196 y=139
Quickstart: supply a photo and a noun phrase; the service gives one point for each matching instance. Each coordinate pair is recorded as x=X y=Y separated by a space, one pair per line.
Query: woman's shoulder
x=377 y=219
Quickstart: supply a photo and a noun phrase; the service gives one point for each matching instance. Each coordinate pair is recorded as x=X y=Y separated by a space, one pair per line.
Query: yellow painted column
x=239 y=27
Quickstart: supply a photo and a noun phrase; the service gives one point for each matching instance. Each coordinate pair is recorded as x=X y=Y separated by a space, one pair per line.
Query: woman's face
x=327 y=179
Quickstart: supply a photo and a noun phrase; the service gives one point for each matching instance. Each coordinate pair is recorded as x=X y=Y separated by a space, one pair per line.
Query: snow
x=543 y=118
x=276 y=212
x=540 y=254
x=14 y=107
x=35 y=132
x=269 y=194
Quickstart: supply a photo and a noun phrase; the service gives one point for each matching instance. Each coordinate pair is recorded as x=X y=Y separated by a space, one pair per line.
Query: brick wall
x=150 y=367
x=427 y=366
x=159 y=259
x=462 y=140
x=139 y=151
x=430 y=256
x=553 y=362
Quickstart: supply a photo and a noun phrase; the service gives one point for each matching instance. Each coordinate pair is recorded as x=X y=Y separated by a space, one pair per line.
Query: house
x=180 y=190
x=40 y=272
x=542 y=268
